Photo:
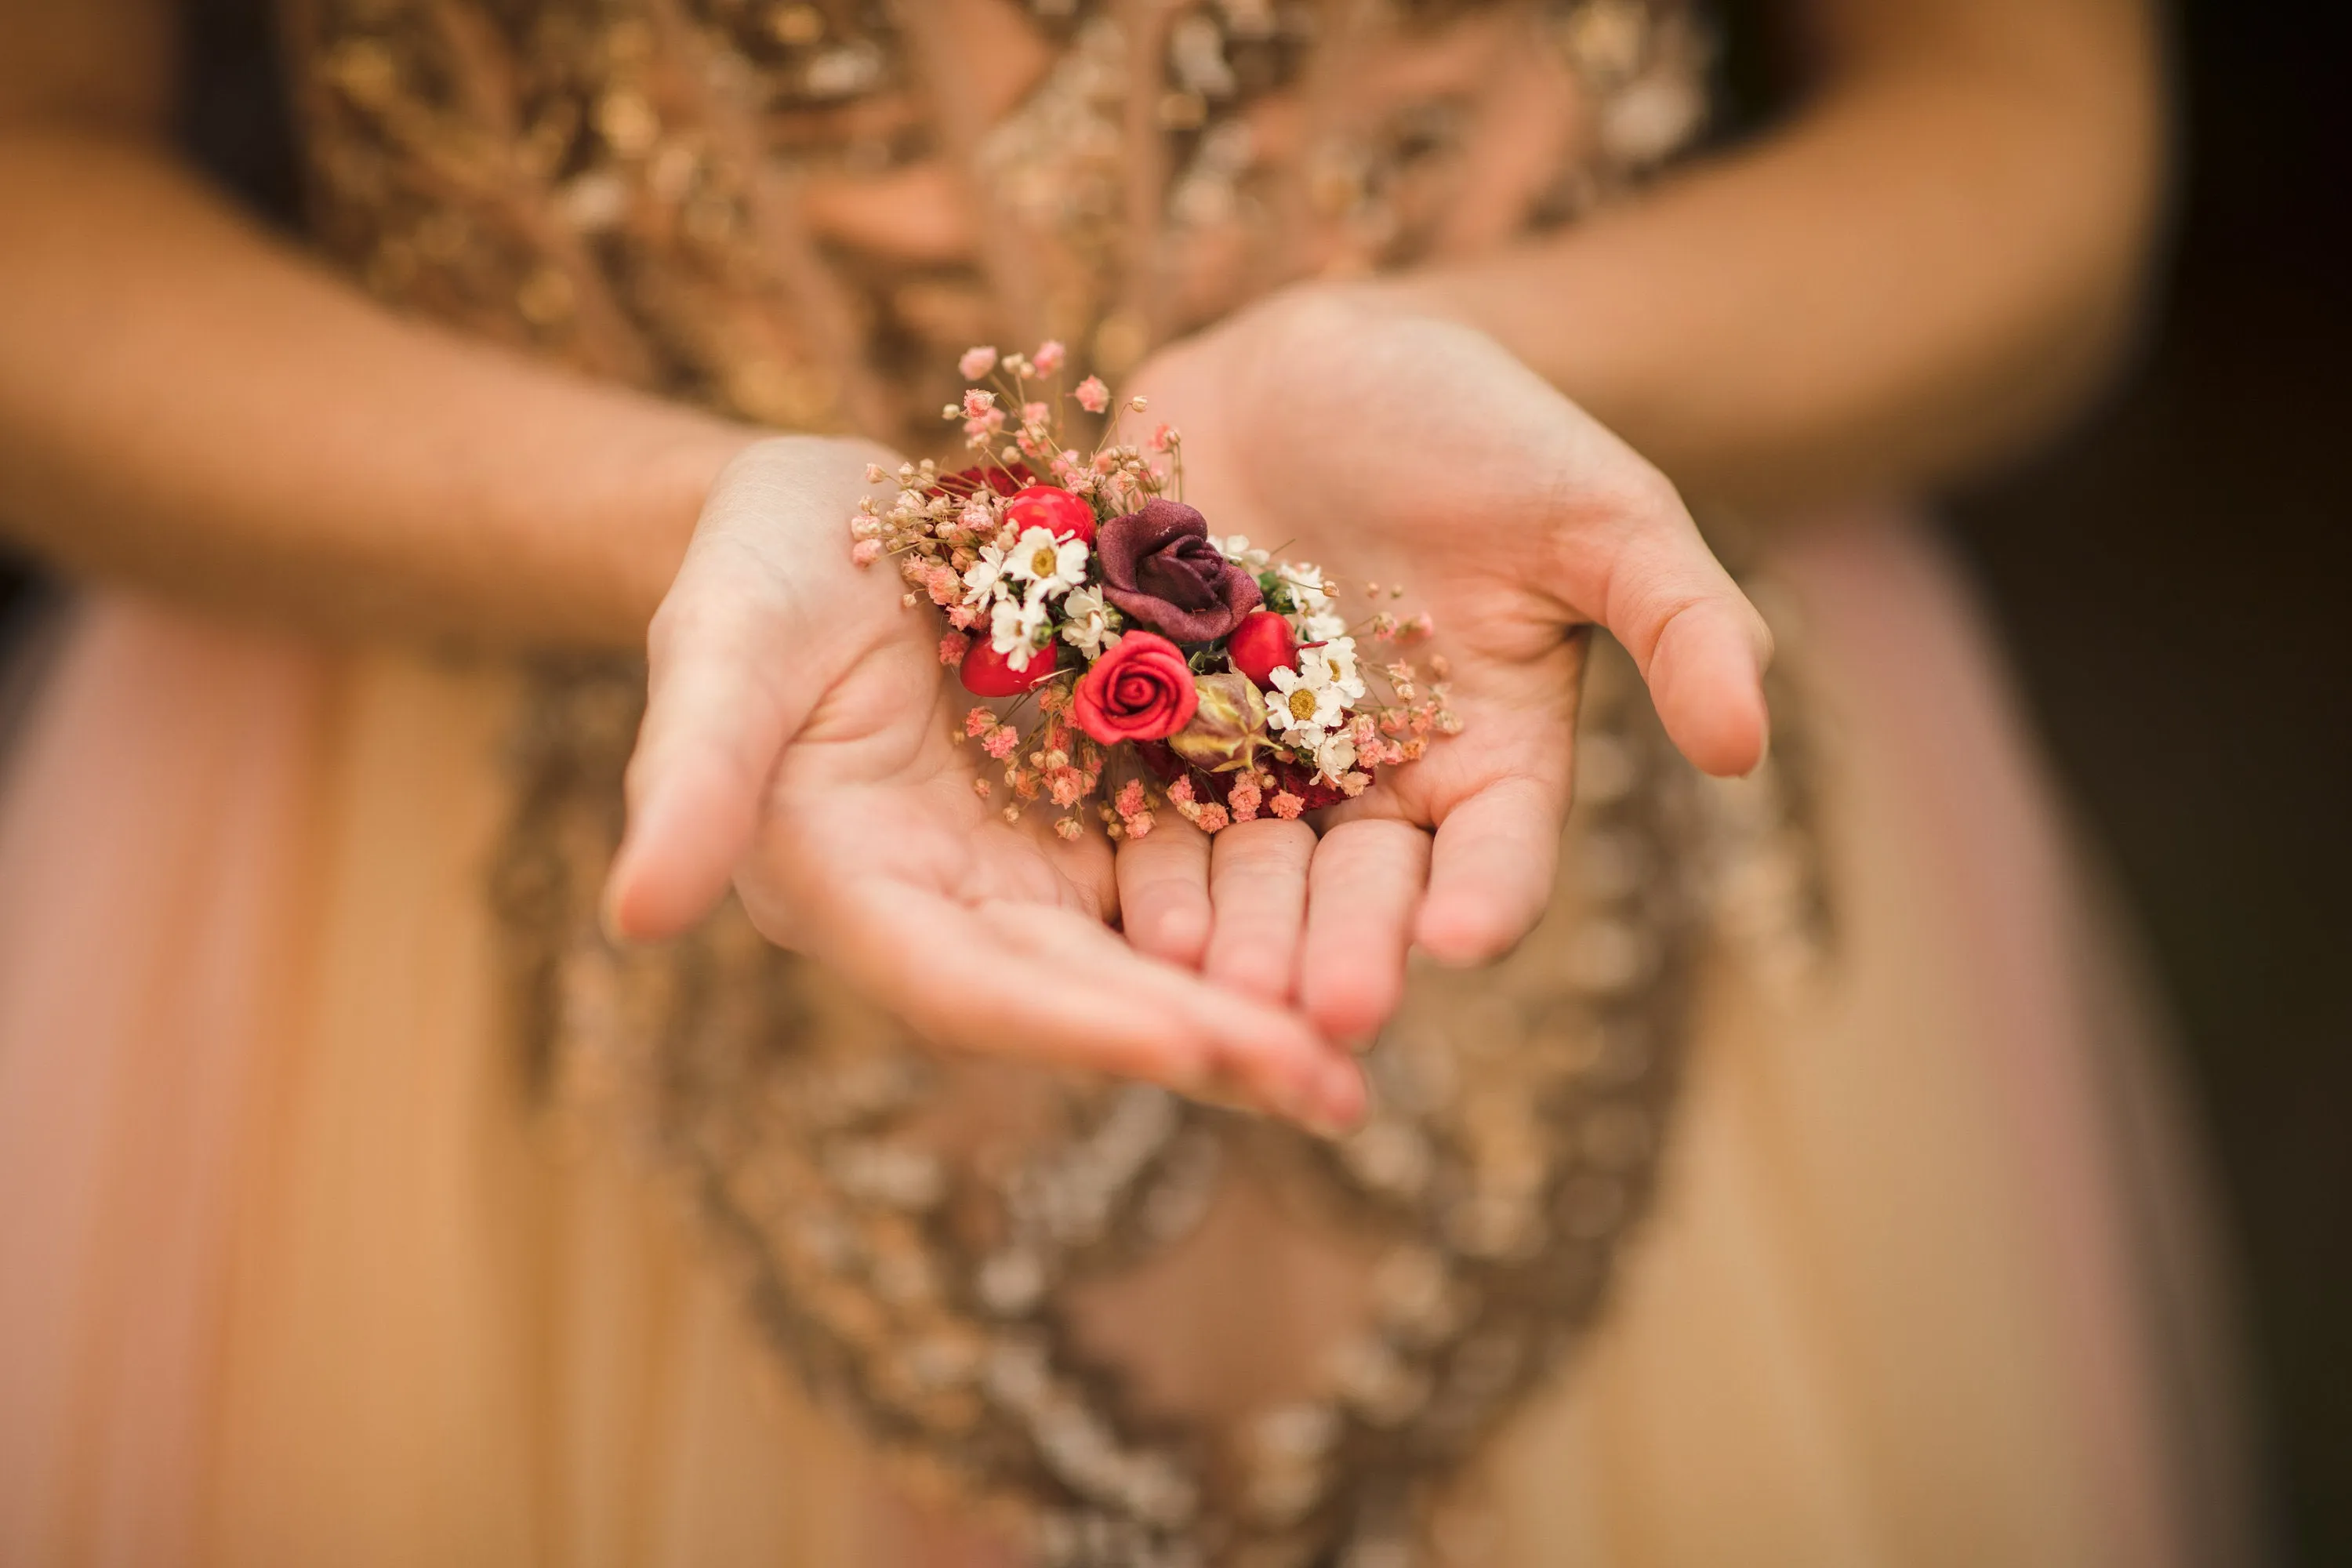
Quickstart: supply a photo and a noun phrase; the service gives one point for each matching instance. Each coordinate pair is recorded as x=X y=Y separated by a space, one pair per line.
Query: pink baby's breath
x=977 y=362
x=866 y=552
x=1048 y=357
x=1287 y=805
x=1093 y=395
x=953 y=647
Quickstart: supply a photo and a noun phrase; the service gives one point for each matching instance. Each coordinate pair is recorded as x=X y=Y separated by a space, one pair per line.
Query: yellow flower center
x=1302 y=703
x=1044 y=562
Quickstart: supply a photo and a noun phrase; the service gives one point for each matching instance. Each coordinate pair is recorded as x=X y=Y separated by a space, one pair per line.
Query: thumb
x=1698 y=642
x=720 y=711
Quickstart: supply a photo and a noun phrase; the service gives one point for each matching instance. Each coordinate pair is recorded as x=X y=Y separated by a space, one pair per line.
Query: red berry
x=1260 y=645
x=1052 y=508
x=986 y=673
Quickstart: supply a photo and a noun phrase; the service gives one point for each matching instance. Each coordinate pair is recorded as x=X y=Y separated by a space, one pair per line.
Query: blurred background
x=2176 y=582
x=2175 y=578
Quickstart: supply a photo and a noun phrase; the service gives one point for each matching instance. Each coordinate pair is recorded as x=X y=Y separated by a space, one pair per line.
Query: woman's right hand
x=798 y=740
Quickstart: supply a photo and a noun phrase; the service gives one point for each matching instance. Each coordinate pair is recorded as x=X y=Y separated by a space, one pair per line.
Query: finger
x=1700 y=645
x=1257 y=888
x=1163 y=892
x=1051 y=987
x=719 y=710
x=1490 y=871
x=1362 y=890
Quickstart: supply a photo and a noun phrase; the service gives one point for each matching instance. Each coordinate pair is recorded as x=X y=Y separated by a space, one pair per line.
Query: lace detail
x=797 y=213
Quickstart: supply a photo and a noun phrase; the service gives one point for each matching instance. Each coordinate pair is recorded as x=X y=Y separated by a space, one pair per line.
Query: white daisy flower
x=1306 y=705
x=1334 y=661
x=985 y=574
x=1334 y=756
x=1319 y=627
x=1086 y=623
x=1048 y=565
x=1313 y=610
x=1308 y=590
x=1013 y=630
x=1236 y=549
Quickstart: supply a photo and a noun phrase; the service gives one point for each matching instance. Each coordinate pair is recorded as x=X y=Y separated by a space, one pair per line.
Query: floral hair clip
x=1170 y=667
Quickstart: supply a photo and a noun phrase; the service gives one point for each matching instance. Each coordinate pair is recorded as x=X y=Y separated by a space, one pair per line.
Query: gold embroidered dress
x=385 y=1212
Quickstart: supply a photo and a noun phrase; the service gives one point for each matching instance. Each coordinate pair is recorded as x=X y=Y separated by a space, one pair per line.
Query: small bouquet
x=1170 y=667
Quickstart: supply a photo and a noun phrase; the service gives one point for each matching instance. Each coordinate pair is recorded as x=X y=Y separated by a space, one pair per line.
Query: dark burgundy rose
x=1161 y=569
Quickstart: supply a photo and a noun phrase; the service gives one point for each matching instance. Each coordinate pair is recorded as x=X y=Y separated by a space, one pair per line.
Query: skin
x=1517 y=521
x=1934 y=260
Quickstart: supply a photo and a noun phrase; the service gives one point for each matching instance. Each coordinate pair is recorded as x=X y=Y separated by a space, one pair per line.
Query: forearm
x=1932 y=264
x=187 y=404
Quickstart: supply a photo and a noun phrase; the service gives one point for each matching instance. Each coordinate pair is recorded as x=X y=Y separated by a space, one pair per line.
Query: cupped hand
x=798 y=742
x=1397 y=449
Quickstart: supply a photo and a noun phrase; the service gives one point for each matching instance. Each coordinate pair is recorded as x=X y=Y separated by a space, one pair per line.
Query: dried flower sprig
x=1212 y=679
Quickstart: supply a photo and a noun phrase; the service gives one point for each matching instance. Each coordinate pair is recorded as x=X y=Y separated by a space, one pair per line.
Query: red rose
x=1139 y=689
x=1260 y=645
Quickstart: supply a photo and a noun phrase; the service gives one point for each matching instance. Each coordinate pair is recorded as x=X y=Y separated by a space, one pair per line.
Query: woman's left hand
x=798 y=742
x=1401 y=449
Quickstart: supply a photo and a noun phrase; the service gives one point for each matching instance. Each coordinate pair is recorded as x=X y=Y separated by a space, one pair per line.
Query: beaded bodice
x=802 y=212
x=799 y=213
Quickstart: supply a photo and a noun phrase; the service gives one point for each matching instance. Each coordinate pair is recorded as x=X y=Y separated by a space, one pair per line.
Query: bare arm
x=241 y=425
x=1934 y=260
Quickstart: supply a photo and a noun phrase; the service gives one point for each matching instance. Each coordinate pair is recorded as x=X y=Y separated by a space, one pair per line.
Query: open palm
x=798 y=742
x=1394 y=448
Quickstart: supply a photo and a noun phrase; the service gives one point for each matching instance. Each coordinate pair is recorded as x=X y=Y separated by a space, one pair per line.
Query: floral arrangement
x=1169 y=667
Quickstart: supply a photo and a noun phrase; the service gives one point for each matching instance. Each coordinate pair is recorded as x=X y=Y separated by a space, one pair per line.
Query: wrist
x=775 y=521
